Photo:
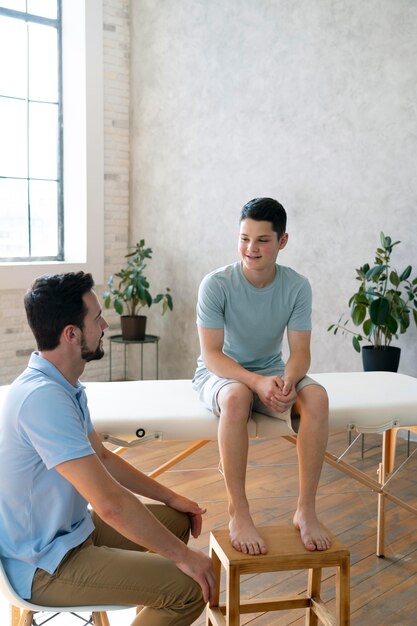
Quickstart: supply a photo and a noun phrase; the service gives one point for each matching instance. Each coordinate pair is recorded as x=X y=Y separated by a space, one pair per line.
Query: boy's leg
x=103 y=574
x=312 y=406
x=235 y=401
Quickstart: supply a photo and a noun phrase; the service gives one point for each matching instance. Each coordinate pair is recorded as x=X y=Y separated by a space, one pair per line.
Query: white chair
x=23 y=611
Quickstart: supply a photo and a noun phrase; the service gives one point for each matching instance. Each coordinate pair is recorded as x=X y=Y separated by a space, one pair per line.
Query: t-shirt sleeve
x=210 y=304
x=51 y=422
x=300 y=318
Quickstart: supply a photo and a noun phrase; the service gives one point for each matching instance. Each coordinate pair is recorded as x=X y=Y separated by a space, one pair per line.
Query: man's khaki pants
x=110 y=569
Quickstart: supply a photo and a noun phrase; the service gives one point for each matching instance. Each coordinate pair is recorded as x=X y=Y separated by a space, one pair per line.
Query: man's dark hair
x=53 y=302
x=266 y=210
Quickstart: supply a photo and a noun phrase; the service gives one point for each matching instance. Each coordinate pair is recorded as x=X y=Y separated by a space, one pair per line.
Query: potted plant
x=381 y=308
x=132 y=292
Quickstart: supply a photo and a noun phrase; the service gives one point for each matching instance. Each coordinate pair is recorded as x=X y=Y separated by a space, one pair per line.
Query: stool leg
x=343 y=592
x=233 y=596
x=217 y=574
x=313 y=591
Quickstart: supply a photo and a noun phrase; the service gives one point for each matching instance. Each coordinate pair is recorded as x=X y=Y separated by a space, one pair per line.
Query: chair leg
x=26 y=618
x=15 y=615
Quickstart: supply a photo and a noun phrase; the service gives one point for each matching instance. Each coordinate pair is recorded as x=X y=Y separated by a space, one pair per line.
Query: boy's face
x=259 y=245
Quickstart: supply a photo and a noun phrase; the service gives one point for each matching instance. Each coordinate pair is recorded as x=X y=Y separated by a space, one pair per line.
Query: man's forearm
x=128 y=515
x=135 y=480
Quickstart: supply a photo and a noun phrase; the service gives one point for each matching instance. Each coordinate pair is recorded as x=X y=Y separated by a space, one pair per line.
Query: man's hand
x=200 y=568
x=276 y=393
x=193 y=510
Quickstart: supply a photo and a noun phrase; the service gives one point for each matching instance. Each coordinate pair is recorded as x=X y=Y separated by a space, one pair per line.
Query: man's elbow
x=110 y=508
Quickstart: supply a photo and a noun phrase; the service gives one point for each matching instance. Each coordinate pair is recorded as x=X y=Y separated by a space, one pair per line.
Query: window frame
x=57 y=24
x=83 y=151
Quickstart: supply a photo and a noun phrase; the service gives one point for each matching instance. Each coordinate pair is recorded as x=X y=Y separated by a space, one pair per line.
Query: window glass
x=13 y=47
x=14 y=241
x=43 y=63
x=44 y=8
x=44 y=223
x=43 y=125
x=13 y=144
x=31 y=210
x=16 y=5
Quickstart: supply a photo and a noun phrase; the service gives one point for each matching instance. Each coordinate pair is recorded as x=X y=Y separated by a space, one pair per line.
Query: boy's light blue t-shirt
x=254 y=320
x=45 y=421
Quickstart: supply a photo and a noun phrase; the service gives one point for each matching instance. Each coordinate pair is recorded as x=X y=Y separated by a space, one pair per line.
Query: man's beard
x=91 y=355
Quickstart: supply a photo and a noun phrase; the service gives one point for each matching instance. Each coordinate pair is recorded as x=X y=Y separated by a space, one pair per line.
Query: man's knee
x=177 y=522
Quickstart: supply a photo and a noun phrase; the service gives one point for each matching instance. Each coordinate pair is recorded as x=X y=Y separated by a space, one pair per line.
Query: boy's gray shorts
x=209 y=385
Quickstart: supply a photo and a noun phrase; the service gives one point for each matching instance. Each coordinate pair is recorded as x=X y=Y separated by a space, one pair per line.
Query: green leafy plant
x=383 y=303
x=132 y=290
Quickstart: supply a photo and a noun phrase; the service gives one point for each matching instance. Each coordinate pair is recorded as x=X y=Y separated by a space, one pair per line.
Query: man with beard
x=53 y=463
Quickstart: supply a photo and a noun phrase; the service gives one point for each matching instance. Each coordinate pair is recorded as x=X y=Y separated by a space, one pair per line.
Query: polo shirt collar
x=38 y=362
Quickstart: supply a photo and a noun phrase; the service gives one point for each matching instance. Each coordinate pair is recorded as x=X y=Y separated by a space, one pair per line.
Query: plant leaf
x=358 y=314
x=406 y=273
x=379 y=311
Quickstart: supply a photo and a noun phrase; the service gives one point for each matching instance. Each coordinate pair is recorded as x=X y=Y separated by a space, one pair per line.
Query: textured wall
x=310 y=102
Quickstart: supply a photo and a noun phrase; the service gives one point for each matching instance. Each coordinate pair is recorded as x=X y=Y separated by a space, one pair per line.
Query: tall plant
x=383 y=302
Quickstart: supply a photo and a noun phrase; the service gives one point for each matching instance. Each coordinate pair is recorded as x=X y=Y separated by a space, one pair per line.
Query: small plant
x=383 y=302
x=133 y=287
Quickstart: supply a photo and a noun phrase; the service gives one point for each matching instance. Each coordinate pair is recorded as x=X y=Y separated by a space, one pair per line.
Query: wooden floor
x=383 y=590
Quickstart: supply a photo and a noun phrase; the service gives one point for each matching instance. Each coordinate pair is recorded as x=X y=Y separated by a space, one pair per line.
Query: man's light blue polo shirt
x=45 y=421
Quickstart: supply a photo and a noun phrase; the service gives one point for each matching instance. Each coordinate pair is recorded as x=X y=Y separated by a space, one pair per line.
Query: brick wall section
x=16 y=340
x=116 y=42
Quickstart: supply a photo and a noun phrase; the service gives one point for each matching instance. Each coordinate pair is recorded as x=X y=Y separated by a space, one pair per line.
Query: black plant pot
x=380 y=359
x=133 y=327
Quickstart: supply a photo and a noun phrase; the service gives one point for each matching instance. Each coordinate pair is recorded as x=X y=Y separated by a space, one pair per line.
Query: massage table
x=127 y=413
x=130 y=412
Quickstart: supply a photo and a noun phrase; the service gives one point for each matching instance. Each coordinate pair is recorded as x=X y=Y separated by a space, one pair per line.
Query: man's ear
x=284 y=241
x=71 y=334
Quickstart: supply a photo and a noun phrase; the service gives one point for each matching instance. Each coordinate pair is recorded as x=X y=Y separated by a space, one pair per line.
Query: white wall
x=313 y=103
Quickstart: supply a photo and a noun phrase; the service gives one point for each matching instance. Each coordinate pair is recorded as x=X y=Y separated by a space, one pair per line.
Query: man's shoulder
x=33 y=386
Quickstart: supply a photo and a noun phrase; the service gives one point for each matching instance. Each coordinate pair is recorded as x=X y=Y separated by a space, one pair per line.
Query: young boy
x=243 y=311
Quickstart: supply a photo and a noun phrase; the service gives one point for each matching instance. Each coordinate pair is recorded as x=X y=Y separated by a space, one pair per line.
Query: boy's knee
x=236 y=399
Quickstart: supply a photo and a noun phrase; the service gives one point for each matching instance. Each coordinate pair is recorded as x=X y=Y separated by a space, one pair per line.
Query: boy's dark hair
x=53 y=302
x=268 y=210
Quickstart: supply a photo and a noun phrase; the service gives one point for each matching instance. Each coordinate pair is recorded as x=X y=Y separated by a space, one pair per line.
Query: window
x=72 y=238
x=30 y=114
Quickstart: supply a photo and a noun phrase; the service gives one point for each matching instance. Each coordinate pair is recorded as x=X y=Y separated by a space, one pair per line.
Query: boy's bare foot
x=244 y=537
x=313 y=535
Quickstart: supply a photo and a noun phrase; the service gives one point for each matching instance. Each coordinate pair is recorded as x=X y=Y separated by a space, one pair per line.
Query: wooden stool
x=285 y=552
